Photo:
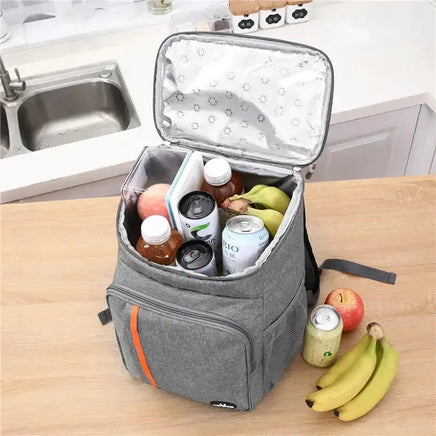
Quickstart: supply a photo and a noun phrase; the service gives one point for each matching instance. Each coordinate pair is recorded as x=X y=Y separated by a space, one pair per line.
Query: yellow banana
x=349 y=384
x=335 y=371
x=271 y=218
x=377 y=386
x=254 y=190
x=269 y=197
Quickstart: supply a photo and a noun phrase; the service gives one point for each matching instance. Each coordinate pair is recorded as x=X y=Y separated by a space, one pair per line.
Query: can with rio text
x=244 y=239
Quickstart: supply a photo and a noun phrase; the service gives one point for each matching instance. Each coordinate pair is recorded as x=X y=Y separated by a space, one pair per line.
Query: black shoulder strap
x=346 y=266
x=341 y=265
x=312 y=271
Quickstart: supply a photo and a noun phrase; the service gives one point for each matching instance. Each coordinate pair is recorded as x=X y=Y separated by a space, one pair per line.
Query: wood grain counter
x=61 y=370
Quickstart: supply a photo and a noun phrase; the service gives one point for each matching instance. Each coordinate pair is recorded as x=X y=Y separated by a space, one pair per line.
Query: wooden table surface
x=61 y=370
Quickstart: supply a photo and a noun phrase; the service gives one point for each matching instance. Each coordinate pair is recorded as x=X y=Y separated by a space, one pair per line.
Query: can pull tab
x=245 y=226
x=191 y=256
x=197 y=207
x=323 y=318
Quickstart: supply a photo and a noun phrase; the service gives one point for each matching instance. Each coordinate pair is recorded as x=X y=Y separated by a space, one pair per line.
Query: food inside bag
x=184 y=189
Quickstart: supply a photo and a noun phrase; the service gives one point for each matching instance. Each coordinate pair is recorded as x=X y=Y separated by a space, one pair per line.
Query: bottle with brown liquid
x=220 y=181
x=158 y=242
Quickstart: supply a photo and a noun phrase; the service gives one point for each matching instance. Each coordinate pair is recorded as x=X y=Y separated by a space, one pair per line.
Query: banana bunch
x=358 y=381
x=271 y=205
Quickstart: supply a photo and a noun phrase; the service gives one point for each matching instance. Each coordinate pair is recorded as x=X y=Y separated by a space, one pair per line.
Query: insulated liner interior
x=258 y=98
x=161 y=164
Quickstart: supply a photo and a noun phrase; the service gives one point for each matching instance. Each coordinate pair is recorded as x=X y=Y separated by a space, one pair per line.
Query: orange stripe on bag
x=138 y=346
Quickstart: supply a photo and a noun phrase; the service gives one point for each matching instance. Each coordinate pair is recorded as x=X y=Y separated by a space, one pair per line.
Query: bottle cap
x=155 y=230
x=217 y=172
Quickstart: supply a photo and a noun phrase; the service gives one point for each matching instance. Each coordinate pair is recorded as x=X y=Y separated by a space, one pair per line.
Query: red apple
x=349 y=305
x=152 y=201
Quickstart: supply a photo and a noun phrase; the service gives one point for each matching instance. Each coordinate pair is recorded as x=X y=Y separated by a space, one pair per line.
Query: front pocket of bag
x=283 y=339
x=187 y=352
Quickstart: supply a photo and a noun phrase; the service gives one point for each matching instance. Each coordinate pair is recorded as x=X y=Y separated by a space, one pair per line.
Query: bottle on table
x=158 y=242
x=220 y=181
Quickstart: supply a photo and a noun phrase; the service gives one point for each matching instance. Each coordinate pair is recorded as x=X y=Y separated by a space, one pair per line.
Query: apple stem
x=341 y=297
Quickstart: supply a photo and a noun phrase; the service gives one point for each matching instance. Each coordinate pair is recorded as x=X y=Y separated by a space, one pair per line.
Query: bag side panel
x=283 y=339
x=284 y=271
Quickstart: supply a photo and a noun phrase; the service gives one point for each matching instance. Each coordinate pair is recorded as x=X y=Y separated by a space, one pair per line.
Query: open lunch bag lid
x=262 y=99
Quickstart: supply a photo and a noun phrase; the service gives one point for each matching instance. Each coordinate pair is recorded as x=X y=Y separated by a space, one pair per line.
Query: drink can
x=323 y=336
x=244 y=239
x=199 y=216
x=197 y=256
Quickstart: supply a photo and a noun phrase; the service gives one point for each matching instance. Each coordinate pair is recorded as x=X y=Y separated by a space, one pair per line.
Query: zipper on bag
x=181 y=312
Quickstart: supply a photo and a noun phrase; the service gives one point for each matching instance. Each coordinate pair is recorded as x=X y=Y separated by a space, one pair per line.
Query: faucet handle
x=17 y=73
x=21 y=83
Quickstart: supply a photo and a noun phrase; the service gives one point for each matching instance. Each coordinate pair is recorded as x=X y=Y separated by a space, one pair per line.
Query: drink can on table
x=323 y=336
x=244 y=239
x=197 y=256
x=199 y=217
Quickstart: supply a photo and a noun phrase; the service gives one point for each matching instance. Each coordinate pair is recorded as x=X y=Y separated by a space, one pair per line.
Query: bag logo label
x=223 y=404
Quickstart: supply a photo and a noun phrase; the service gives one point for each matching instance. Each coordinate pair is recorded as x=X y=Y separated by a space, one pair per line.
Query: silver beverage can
x=323 y=336
x=197 y=256
x=244 y=239
x=199 y=216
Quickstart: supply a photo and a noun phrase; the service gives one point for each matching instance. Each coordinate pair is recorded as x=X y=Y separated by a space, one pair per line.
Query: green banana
x=349 y=384
x=335 y=371
x=269 y=197
x=271 y=218
x=377 y=386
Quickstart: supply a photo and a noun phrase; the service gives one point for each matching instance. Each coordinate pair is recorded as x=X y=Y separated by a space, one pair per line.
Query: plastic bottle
x=158 y=242
x=220 y=181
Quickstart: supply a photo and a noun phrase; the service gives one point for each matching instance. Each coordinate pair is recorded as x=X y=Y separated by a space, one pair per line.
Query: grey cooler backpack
x=265 y=106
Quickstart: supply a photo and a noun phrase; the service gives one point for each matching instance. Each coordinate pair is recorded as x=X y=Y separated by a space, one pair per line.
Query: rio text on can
x=244 y=239
x=322 y=336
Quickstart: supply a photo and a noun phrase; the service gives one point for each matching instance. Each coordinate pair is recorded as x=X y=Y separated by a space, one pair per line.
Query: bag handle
x=367 y=272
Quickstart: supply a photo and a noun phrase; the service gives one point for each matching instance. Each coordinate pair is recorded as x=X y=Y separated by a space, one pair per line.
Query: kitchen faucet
x=11 y=87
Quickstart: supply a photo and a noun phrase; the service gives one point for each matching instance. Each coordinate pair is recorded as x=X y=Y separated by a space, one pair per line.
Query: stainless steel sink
x=4 y=133
x=65 y=107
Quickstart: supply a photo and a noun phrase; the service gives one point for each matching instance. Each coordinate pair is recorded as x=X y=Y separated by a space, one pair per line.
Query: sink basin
x=4 y=133
x=71 y=114
x=65 y=107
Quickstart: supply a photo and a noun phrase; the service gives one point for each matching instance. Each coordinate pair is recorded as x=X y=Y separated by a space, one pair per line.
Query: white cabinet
x=376 y=146
x=100 y=188
x=424 y=144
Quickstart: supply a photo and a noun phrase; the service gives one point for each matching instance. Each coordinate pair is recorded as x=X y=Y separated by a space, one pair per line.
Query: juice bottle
x=158 y=242
x=220 y=181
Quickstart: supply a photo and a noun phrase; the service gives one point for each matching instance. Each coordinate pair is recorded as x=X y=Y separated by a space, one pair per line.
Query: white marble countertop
x=383 y=55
